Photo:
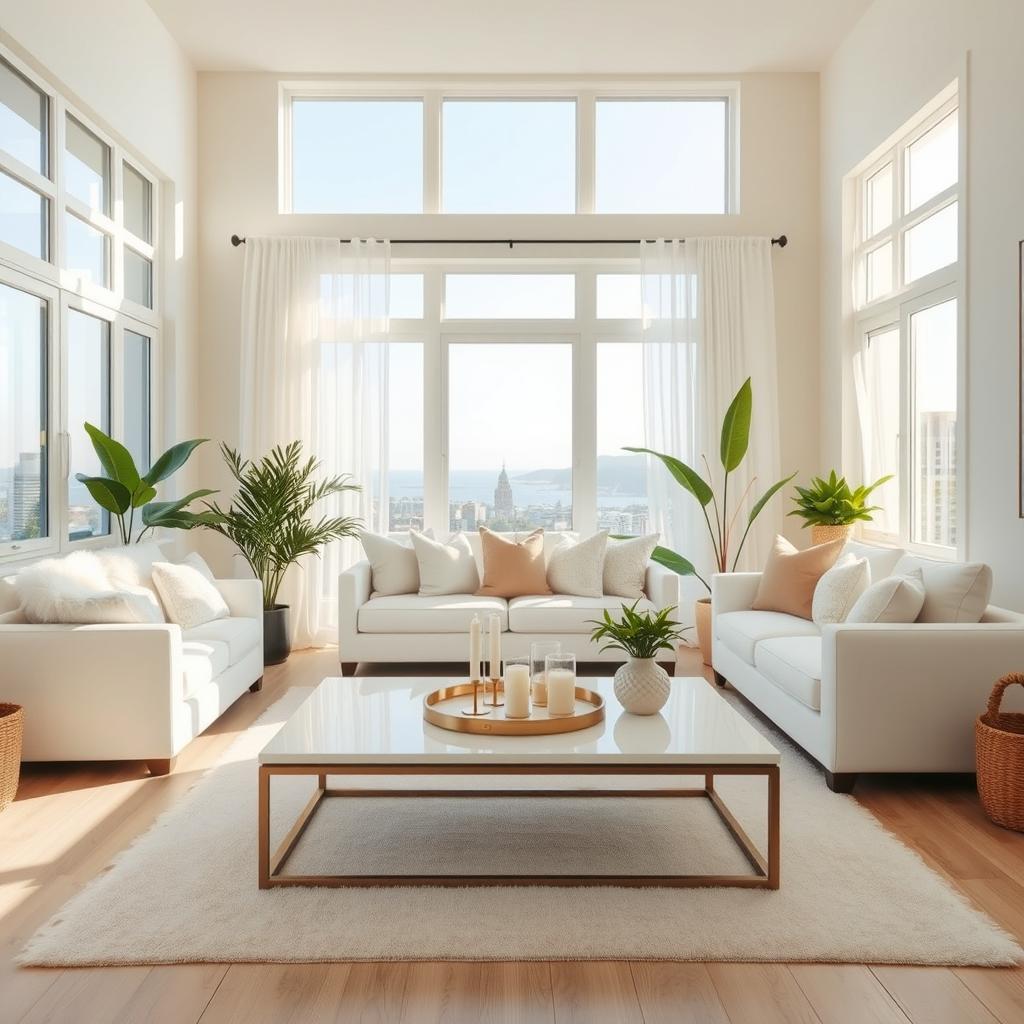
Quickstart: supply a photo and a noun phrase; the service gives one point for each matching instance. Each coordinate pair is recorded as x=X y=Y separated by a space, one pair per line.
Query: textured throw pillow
x=577 y=567
x=790 y=576
x=894 y=599
x=445 y=568
x=76 y=589
x=625 y=565
x=953 y=591
x=838 y=590
x=393 y=564
x=189 y=597
x=512 y=567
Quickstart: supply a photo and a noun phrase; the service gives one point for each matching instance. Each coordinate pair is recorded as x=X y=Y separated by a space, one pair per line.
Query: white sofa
x=864 y=697
x=411 y=628
x=127 y=692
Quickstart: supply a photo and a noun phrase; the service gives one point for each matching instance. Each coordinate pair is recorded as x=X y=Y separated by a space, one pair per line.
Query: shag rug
x=186 y=890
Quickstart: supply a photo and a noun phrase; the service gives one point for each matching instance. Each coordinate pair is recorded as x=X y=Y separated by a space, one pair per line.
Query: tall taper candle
x=494 y=633
x=474 y=648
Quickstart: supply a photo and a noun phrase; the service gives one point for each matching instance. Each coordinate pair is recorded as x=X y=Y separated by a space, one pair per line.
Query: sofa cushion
x=790 y=576
x=881 y=559
x=512 y=567
x=953 y=591
x=552 y=540
x=742 y=631
x=563 y=613
x=625 y=565
x=416 y=613
x=445 y=569
x=240 y=635
x=202 y=662
x=577 y=567
x=793 y=664
x=188 y=597
x=837 y=591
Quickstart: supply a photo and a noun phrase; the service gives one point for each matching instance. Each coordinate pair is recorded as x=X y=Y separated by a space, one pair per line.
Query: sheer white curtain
x=314 y=369
x=709 y=323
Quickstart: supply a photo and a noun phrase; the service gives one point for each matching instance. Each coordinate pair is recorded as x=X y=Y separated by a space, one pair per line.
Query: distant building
x=27 y=488
x=936 y=498
x=504 y=503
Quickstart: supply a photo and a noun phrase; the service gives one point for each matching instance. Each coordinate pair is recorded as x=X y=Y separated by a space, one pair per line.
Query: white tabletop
x=380 y=721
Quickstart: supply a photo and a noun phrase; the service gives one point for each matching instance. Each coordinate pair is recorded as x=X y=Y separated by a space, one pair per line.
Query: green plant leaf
x=684 y=475
x=111 y=495
x=736 y=427
x=671 y=560
x=172 y=460
x=116 y=460
x=143 y=495
x=759 y=505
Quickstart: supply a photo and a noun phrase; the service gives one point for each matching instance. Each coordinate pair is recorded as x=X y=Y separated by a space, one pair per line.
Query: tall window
x=906 y=263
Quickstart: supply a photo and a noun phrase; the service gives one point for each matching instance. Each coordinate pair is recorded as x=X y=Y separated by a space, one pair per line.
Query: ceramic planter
x=642 y=686
x=276 y=645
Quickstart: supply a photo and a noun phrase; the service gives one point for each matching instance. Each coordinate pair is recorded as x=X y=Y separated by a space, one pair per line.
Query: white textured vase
x=642 y=686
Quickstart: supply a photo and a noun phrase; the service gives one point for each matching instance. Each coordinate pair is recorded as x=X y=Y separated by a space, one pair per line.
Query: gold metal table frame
x=766 y=867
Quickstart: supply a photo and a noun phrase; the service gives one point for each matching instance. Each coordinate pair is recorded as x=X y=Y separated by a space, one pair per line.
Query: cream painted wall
x=895 y=60
x=238 y=137
x=115 y=60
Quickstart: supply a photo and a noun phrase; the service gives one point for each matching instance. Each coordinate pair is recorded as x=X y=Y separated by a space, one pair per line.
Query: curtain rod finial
x=782 y=241
x=236 y=241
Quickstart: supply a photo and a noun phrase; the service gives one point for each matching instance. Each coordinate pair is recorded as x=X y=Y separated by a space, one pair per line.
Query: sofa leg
x=720 y=679
x=841 y=782
x=257 y=686
x=348 y=668
x=161 y=765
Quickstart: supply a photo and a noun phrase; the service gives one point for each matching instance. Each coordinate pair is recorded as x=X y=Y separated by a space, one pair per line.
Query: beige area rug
x=186 y=890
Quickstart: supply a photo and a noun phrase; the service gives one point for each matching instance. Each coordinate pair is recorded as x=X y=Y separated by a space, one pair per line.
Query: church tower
x=504 y=505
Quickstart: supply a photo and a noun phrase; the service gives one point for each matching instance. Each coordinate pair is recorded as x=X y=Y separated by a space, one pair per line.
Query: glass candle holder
x=517 y=687
x=538 y=679
x=560 y=673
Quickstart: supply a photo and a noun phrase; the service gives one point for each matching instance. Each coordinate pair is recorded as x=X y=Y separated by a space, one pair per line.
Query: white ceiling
x=509 y=36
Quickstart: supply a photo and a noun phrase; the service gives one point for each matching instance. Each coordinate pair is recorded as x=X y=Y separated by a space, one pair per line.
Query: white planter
x=642 y=686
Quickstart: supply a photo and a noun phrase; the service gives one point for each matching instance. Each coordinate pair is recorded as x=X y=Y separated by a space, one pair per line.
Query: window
x=405 y=436
x=509 y=156
x=510 y=451
x=137 y=400
x=86 y=167
x=24 y=119
x=509 y=296
x=23 y=217
x=906 y=254
x=619 y=297
x=88 y=252
x=357 y=156
x=662 y=156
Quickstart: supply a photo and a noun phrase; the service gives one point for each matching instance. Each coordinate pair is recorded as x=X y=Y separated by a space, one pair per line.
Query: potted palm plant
x=721 y=522
x=271 y=521
x=641 y=685
x=830 y=508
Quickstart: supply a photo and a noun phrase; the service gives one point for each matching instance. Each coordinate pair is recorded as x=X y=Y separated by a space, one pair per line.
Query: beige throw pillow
x=790 y=576
x=513 y=568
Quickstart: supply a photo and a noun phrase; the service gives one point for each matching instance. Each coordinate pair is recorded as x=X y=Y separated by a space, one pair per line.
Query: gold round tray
x=540 y=723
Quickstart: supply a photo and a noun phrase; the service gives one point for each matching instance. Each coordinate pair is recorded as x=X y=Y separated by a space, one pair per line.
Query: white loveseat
x=127 y=691
x=864 y=697
x=411 y=628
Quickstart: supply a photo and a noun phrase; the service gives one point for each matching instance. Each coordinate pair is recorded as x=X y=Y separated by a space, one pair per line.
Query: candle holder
x=477 y=711
x=494 y=702
x=539 y=650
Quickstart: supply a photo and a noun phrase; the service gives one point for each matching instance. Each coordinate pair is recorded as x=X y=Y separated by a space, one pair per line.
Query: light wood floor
x=69 y=822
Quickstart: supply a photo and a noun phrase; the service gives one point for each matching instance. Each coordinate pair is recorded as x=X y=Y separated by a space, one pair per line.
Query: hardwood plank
x=933 y=995
x=1000 y=989
x=271 y=993
x=87 y=994
x=677 y=993
x=172 y=993
x=594 y=992
x=374 y=993
x=846 y=994
x=761 y=994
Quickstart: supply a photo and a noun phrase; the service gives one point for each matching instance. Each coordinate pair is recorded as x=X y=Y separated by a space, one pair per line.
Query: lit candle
x=561 y=691
x=517 y=691
x=494 y=631
x=474 y=648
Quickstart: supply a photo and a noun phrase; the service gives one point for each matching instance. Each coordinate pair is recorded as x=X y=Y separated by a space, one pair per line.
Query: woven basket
x=12 y=721
x=999 y=753
x=825 y=533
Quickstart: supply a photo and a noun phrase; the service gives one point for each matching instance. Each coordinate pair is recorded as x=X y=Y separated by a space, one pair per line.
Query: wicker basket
x=999 y=753
x=12 y=720
x=825 y=533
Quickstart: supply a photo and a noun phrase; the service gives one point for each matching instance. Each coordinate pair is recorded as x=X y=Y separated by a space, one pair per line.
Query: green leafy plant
x=733 y=448
x=831 y=502
x=639 y=634
x=124 y=489
x=271 y=519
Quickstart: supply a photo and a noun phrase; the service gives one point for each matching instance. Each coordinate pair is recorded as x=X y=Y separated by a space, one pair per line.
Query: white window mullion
x=432 y=152
x=584 y=407
x=586 y=112
x=435 y=408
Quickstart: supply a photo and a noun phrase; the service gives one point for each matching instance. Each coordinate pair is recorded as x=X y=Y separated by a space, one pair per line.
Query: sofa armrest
x=904 y=697
x=244 y=598
x=661 y=586
x=733 y=591
x=353 y=592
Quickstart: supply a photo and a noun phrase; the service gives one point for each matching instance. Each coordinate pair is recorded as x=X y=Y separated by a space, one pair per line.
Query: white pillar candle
x=494 y=632
x=474 y=648
x=517 y=691
x=561 y=691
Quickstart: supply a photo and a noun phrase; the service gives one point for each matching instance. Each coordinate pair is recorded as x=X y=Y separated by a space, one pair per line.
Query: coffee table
x=374 y=726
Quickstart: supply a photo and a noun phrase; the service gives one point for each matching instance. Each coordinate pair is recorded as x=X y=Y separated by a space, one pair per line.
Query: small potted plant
x=272 y=523
x=641 y=685
x=830 y=508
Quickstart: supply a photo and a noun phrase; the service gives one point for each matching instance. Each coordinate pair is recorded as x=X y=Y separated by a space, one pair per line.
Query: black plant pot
x=276 y=647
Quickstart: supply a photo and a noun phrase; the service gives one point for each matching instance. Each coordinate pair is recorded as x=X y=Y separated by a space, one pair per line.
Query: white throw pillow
x=394 y=567
x=625 y=565
x=577 y=567
x=894 y=599
x=881 y=559
x=76 y=589
x=837 y=591
x=196 y=560
x=445 y=568
x=189 y=597
x=953 y=591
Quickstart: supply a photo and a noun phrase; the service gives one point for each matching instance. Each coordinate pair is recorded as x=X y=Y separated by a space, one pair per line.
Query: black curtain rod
x=782 y=241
